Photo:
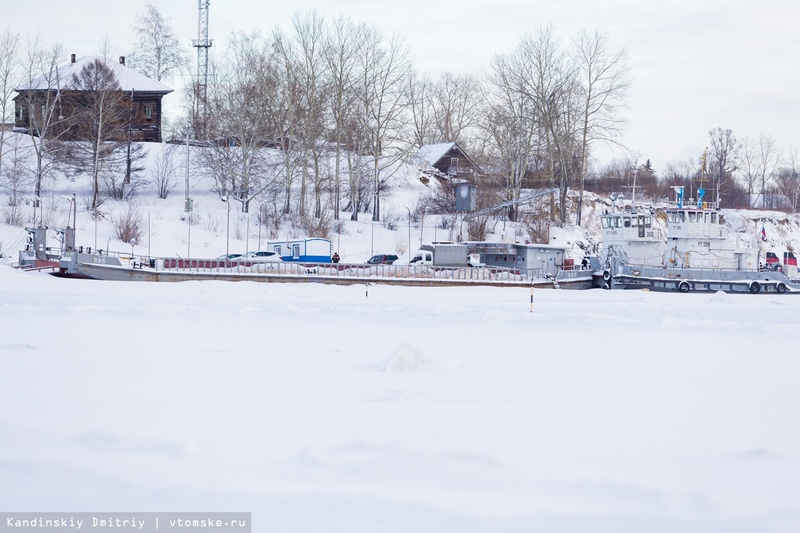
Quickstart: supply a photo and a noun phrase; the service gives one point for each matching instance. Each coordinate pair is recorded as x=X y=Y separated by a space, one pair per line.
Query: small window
x=713 y=218
x=148 y=111
x=627 y=222
x=296 y=251
x=692 y=216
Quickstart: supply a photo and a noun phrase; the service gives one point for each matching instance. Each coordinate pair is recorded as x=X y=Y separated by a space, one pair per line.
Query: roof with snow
x=128 y=78
x=431 y=153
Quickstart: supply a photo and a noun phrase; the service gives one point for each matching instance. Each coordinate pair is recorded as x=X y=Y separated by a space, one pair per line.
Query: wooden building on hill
x=53 y=102
x=449 y=161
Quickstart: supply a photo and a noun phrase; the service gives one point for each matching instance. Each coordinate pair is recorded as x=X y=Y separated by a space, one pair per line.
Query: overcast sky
x=696 y=64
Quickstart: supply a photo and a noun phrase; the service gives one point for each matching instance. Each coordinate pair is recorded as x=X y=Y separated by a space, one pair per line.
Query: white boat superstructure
x=699 y=252
x=633 y=234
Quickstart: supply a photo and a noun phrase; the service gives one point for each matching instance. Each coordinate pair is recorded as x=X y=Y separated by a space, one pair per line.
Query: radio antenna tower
x=202 y=43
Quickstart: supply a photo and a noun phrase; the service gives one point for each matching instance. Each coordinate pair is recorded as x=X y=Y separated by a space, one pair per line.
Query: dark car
x=382 y=259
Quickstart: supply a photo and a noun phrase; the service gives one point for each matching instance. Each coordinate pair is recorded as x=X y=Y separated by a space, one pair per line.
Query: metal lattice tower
x=202 y=43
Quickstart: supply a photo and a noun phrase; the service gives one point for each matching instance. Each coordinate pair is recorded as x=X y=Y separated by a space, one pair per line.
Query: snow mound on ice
x=405 y=358
x=720 y=297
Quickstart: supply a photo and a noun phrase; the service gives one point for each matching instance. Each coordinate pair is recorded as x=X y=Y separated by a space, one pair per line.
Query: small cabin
x=448 y=160
x=536 y=260
x=312 y=250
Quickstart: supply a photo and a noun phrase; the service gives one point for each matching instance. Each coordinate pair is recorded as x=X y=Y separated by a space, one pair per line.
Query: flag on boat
x=789 y=259
x=763 y=233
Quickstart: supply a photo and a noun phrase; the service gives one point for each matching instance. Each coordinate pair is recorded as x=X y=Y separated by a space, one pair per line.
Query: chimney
x=122 y=60
x=72 y=58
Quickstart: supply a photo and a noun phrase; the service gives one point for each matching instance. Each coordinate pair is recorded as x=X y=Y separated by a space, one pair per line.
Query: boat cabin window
x=627 y=222
x=681 y=216
x=713 y=218
x=605 y=223
x=692 y=216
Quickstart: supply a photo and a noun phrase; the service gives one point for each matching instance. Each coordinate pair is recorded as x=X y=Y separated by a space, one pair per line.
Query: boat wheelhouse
x=633 y=235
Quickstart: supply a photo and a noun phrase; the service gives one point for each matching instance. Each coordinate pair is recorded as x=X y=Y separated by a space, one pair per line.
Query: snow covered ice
x=600 y=411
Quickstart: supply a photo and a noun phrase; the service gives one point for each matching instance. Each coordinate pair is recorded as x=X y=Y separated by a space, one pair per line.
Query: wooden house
x=449 y=161
x=53 y=102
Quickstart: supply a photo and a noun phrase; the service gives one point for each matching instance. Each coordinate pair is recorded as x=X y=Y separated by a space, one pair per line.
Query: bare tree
x=749 y=167
x=158 y=50
x=285 y=109
x=603 y=87
x=345 y=38
x=309 y=35
x=769 y=157
x=385 y=67
x=236 y=156
x=9 y=77
x=39 y=107
x=456 y=107
x=724 y=152
x=420 y=107
x=789 y=177
x=163 y=171
x=101 y=127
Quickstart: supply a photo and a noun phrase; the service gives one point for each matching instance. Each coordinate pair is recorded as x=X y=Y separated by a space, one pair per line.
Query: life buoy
x=779 y=268
x=755 y=288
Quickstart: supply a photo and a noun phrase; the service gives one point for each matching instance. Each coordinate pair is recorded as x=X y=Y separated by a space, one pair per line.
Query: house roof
x=128 y=78
x=430 y=154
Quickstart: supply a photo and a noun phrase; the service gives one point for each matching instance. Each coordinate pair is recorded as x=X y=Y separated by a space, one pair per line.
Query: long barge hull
x=699 y=280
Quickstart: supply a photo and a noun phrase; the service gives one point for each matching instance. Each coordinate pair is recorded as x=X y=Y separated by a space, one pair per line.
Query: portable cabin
x=313 y=250
x=535 y=260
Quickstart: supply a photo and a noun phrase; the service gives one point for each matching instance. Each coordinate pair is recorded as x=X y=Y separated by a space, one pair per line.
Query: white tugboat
x=699 y=253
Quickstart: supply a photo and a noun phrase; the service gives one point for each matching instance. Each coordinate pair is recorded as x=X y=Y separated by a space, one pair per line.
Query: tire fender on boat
x=755 y=287
x=606 y=275
x=684 y=286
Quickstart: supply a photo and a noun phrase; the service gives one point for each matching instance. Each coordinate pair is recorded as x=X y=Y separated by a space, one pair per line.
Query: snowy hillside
x=166 y=230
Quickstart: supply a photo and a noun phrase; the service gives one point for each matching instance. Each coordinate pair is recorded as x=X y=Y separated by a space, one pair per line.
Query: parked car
x=382 y=259
x=229 y=257
x=259 y=257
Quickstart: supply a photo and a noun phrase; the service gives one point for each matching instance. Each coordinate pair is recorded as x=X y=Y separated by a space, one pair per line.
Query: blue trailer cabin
x=314 y=250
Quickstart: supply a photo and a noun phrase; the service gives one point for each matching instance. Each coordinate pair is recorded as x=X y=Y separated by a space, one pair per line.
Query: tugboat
x=699 y=253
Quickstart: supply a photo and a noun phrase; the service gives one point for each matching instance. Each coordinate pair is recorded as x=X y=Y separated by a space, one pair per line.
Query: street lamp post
x=227 y=200
x=409 y=234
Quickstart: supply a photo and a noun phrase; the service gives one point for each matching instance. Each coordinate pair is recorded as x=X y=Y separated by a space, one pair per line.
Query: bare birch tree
x=39 y=104
x=9 y=77
x=158 y=51
x=420 y=106
x=603 y=81
x=456 y=105
x=309 y=35
x=345 y=39
x=724 y=152
x=236 y=155
x=385 y=68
